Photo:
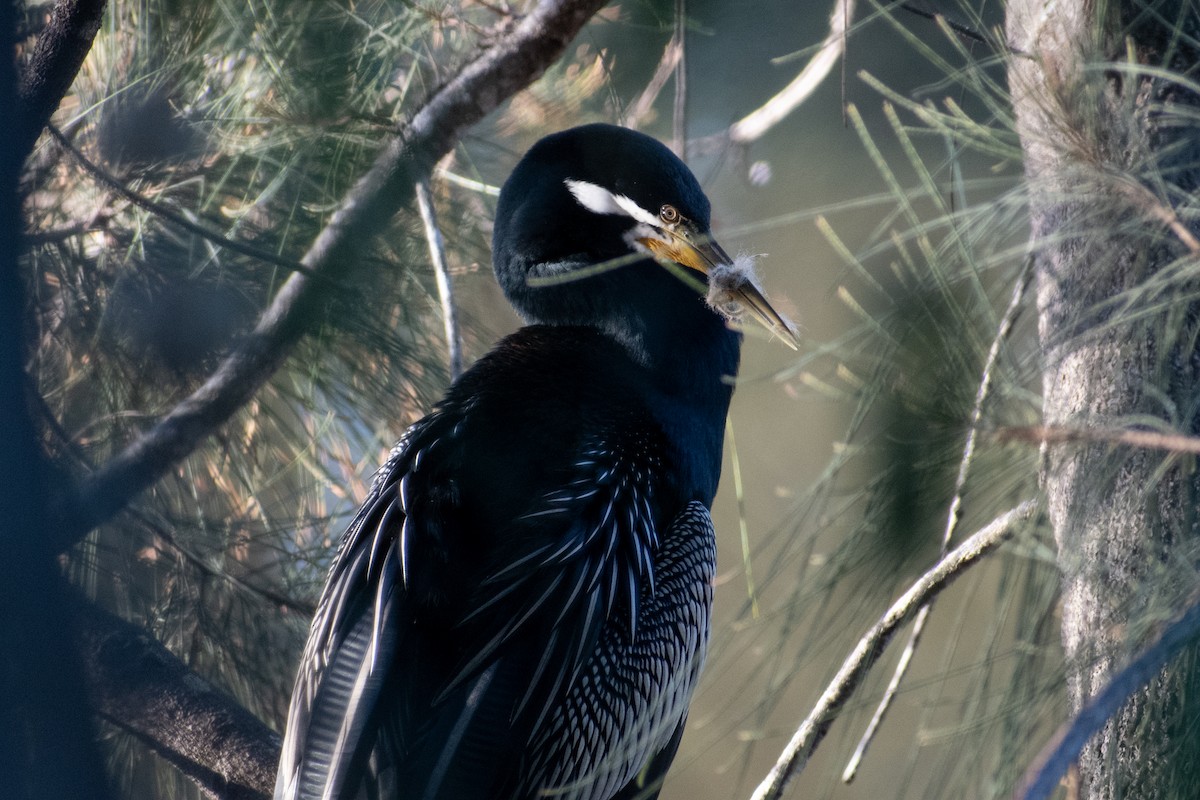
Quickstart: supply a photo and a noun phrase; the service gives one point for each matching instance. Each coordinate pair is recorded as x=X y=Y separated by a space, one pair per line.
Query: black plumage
x=521 y=607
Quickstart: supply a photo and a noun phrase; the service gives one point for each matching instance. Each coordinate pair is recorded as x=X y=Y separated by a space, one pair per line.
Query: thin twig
x=468 y=183
x=1062 y=434
x=679 y=117
x=953 y=514
x=1043 y=775
x=870 y=646
x=437 y=256
x=161 y=211
x=962 y=30
x=493 y=76
x=640 y=107
x=752 y=126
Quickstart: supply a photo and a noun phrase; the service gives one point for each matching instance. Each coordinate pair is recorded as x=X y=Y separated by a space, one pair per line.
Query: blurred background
x=889 y=215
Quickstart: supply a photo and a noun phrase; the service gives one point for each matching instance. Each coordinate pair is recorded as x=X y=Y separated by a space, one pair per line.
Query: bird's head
x=586 y=224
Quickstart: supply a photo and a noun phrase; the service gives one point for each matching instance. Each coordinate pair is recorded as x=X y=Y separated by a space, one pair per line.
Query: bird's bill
x=750 y=298
x=703 y=254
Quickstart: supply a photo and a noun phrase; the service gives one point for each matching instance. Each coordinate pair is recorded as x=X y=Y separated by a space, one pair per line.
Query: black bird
x=521 y=607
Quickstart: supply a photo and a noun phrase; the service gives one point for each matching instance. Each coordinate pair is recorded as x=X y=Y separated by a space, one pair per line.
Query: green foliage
x=925 y=287
x=252 y=120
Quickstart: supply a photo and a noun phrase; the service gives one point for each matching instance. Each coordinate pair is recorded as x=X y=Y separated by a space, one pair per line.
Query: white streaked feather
x=382 y=593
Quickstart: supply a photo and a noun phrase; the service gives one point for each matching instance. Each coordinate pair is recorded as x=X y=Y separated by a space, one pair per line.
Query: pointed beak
x=700 y=252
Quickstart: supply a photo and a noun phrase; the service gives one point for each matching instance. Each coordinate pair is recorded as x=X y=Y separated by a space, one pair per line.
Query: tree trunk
x=1111 y=157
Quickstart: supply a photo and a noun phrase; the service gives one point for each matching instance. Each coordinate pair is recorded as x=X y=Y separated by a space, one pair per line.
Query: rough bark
x=1108 y=167
x=137 y=684
x=46 y=745
x=56 y=59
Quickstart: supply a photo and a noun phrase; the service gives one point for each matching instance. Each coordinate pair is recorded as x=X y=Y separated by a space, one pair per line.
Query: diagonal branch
x=138 y=685
x=754 y=125
x=495 y=75
x=1064 y=747
x=870 y=646
x=55 y=62
x=953 y=514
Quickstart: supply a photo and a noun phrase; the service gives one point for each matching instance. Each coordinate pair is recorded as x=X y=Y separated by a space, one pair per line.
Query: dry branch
x=495 y=75
x=754 y=125
x=870 y=647
x=1064 y=747
x=138 y=685
x=56 y=59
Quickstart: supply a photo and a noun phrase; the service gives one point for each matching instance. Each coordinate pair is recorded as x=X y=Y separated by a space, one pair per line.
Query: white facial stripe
x=599 y=200
x=594 y=198
x=636 y=211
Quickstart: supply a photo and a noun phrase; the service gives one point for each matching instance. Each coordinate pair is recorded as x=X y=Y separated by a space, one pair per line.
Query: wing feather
x=353 y=634
x=555 y=575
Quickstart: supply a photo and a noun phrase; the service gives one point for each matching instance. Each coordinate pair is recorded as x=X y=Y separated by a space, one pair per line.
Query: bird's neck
x=691 y=362
x=687 y=349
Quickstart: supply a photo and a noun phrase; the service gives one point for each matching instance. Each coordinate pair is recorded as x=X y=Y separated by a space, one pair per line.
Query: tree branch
x=1067 y=434
x=57 y=57
x=870 y=647
x=47 y=747
x=1064 y=747
x=640 y=108
x=953 y=512
x=751 y=127
x=441 y=272
x=137 y=684
x=494 y=76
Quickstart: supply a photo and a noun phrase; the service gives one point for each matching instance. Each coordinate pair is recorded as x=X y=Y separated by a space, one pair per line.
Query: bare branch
x=638 y=110
x=751 y=127
x=467 y=183
x=1064 y=747
x=1061 y=434
x=953 y=514
x=437 y=256
x=137 y=684
x=870 y=647
x=679 y=111
x=495 y=75
x=162 y=212
x=57 y=57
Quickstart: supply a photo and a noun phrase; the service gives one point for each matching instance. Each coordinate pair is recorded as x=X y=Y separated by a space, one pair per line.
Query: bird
x=521 y=607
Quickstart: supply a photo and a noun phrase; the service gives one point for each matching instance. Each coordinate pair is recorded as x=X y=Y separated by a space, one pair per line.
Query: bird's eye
x=669 y=214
